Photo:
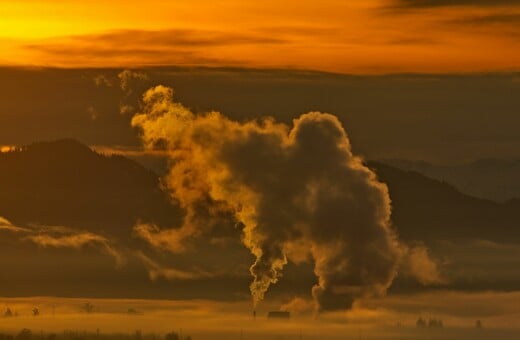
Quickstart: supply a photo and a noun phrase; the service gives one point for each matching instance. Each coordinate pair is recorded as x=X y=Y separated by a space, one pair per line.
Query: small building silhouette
x=278 y=315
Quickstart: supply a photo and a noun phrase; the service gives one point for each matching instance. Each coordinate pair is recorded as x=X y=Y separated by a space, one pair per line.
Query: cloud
x=497 y=18
x=203 y=217
x=296 y=192
x=126 y=109
x=135 y=48
x=440 y=3
x=180 y=37
x=418 y=264
x=171 y=240
x=128 y=151
x=489 y=23
x=76 y=241
x=102 y=80
x=298 y=306
x=62 y=237
x=92 y=112
x=128 y=77
x=6 y=148
x=156 y=271
x=5 y=225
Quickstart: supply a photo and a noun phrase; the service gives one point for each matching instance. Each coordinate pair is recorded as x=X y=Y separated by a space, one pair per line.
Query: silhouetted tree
x=35 y=312
x=6 y=337
x=133 y=311
x=421 y=323
x=435 y=323
x=88 y=307
x=478 y=324
x=172 y=336
x=8 y=313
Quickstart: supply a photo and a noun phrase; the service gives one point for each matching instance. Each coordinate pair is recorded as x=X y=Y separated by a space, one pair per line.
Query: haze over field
x=393 y=318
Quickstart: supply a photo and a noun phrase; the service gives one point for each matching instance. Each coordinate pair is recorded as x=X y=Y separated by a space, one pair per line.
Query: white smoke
x=297 y=192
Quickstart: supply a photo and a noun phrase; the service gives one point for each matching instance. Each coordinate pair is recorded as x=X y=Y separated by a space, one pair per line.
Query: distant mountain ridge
x=66 y=183
x=494 y=179
x=427 y=209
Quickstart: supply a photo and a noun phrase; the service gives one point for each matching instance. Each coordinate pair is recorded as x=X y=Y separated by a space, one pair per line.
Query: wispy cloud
x=179 y=37
x=62 y=237
x=156 y=271
x=171 y=240
x=128 y=77
x=77 y=241
x=166 y=47
x=441 y=3
x=5 y=225
x=103 y=80
x=505 y=23
x=341 y=36
x=419 y=264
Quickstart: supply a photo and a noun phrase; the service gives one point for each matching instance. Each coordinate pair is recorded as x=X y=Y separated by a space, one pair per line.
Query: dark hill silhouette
x=66 y=183
x=427 y=209
x=494 y=179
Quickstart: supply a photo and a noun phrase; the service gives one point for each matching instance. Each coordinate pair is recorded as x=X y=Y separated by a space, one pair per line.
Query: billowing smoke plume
x=298 y=193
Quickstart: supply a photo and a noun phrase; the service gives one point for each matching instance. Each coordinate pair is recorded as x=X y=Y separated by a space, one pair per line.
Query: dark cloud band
x=441 y=3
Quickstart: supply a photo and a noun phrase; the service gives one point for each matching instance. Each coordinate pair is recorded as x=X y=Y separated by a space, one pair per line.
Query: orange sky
x=373 y=36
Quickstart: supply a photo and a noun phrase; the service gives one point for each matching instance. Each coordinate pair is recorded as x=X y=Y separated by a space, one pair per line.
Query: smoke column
x=297 y=192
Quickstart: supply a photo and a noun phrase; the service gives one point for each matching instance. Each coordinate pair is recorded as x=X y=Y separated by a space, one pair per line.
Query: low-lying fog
x=393 y=317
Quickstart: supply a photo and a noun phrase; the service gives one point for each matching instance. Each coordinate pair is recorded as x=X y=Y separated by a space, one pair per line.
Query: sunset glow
x=335 y=36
